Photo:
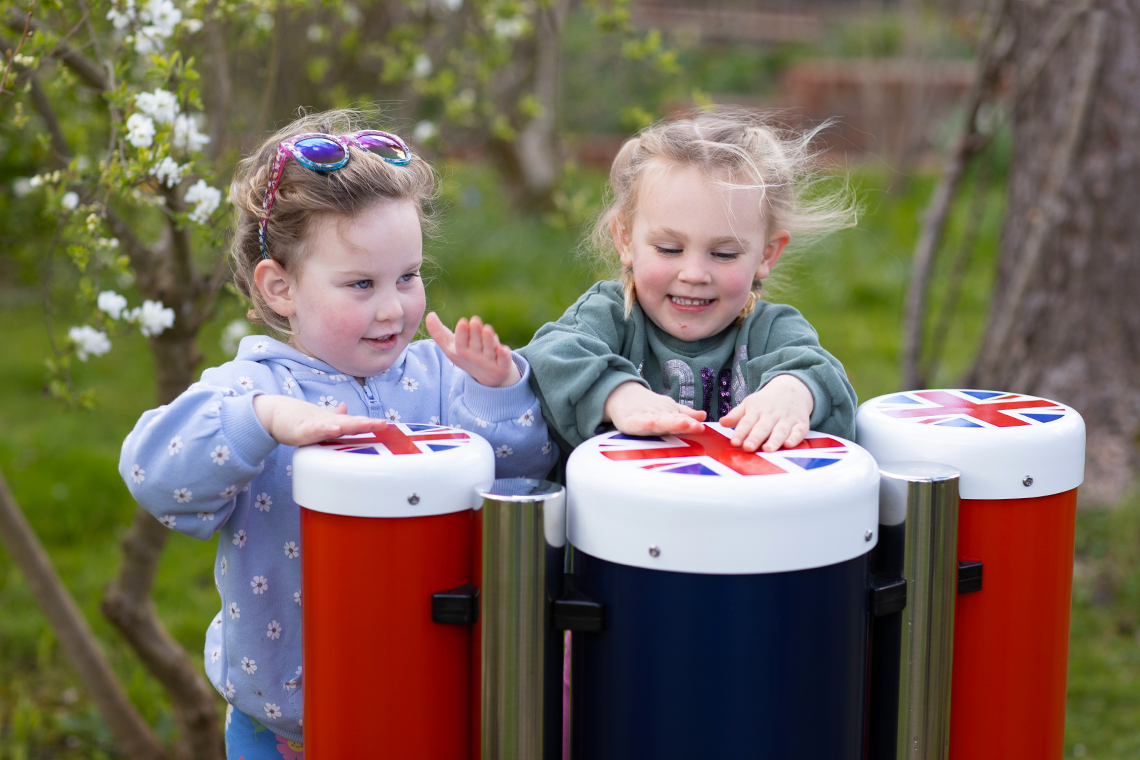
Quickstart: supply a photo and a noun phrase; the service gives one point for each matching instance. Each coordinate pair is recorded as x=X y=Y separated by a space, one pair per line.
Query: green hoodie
x=577 y=361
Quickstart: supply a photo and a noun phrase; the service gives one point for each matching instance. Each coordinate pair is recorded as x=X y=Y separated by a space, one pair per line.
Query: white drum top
x=408 y=470
x=695 y=503
x=1007 y=445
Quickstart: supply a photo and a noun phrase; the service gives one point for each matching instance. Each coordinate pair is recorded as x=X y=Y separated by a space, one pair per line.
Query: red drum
x=1021 y=460
x=386 y=522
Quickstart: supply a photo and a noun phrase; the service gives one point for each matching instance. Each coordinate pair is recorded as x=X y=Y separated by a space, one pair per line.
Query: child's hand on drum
x=636 y=410
x=778 y=415
x=475 y=348
x=294 y=422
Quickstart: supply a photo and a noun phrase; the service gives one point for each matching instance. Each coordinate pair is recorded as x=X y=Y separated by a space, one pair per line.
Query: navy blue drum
x=735 y=594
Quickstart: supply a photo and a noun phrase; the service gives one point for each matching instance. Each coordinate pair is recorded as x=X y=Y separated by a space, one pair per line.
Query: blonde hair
x=304 y=195
x=736 y=149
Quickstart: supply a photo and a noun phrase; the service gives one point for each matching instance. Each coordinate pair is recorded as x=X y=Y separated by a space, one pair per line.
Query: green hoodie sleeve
x=782 y=342
x=577 y=361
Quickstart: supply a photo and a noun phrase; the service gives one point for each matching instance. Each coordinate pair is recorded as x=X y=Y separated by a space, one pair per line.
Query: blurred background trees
x=121 y=121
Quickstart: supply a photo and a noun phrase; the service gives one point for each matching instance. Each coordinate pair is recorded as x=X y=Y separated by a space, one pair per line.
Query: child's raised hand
x=294 y=422
x=779 y=414
x=475 y=348
x=636 y=410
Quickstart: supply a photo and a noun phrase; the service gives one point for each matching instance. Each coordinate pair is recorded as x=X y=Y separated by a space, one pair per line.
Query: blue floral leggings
x=248 y=739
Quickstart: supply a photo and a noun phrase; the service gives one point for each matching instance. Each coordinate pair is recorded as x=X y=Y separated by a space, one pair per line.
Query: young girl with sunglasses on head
x=328 y=247
x=701 y=210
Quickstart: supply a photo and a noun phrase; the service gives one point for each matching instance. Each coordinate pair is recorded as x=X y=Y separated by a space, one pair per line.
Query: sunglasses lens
x=383 y=147
x=321 y=150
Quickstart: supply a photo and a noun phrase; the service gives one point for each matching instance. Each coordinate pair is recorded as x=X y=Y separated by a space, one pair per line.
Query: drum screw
x=654 y=551
x=1027 y=481
x=868 y=535
x=414 y=499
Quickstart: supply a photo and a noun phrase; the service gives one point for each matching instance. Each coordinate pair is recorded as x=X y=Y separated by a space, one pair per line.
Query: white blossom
x=152 y=318
x=422 y=66
x=183 y=495
x=239 y=539
x=229 y=695
x=229 y=492
x=138 y=474
x=328 y=402
x=291 y=550
x=393 y=416
x=410 y=384
x=169 y=520
x=434 y=419
x=272 y=710
x=424 y=131
x=224 y=566
x=21 y=186
x=111 y=303
x=193 y=25
x=546 y=447
x=169 y=172
x=186 y=135
x=235 y=611
x=297 y=597
x=527 y=418
x=206 y=516
x=215 y=655
x=274 y=630
x=510 y=28
x=162 y=14
x=160 y=105
x=174 y=446
x=69 y=200
x=504 y=451
x=260 y=584
x=89 y=341
x=235 y=330
x=248 y=665
x=122 y=19
x=140 y=130
x=263 y=502
x=206 y=200
x=261 y=346
x=245 y=382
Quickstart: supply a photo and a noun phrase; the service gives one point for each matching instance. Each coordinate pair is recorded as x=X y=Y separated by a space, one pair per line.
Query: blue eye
x=408 y=277
x=361 y=284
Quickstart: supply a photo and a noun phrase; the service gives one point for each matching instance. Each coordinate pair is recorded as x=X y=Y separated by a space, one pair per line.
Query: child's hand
x=294 y=422
x=778 y=414
x=636 y=410
x=475 y=348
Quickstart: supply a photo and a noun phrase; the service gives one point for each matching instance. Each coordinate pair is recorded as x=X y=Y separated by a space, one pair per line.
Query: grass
x=517 y=273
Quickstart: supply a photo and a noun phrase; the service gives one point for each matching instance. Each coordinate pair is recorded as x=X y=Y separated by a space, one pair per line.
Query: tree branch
x=131 y=732
x=84 y=67
x=1053 y=208
x=934 y=223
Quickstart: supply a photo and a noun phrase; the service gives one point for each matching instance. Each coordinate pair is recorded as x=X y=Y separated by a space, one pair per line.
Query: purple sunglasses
x=326 y=153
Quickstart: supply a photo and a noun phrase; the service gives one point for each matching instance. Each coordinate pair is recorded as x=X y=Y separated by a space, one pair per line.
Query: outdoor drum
x=1021 y=459
x=735 y=594
x=386 y=524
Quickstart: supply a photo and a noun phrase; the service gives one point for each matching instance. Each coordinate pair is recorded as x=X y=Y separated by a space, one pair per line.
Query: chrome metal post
x=912 y=650
x=524 y=535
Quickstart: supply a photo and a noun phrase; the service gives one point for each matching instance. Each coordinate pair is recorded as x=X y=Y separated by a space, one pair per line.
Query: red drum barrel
x=1021 y=460
x=386 y=523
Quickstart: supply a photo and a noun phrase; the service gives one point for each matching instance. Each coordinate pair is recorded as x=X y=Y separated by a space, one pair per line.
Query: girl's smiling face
x=694 y=248
x=357 y=299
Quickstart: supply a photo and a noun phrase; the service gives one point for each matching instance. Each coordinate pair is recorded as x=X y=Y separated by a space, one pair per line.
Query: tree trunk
x=1063 y=321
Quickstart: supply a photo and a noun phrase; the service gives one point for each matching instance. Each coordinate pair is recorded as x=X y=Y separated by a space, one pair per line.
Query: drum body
x=381 y=533
x=735 y=593
x=1021 y=459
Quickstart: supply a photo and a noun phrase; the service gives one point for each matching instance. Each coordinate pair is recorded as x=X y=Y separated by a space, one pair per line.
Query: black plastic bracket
x=969 y=576
x=888 y=595
x=574 y=611
x=456 y=606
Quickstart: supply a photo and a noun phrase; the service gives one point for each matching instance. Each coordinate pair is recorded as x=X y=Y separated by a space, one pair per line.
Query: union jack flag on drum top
x=971 y=409
x=710 y=452
x=402 y=438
